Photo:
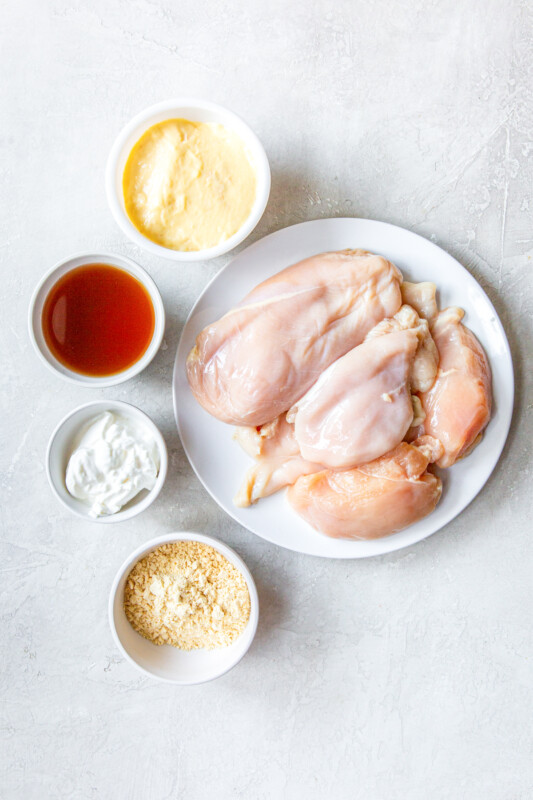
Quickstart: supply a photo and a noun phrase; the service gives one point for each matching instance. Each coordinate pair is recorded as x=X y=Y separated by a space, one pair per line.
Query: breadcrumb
x=188 y=595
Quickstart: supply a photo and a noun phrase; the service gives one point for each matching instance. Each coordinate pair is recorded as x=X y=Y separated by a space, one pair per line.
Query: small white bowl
x=64 y=440
x=36 y=310
x=168 y=663
x=195 y=111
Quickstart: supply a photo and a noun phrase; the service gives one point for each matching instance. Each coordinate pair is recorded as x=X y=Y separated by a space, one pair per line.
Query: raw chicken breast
x=374 y=500
x=278 y=460
x=458 y=406
x=262 y=356
x=422 y=297
x=274 y=439
x=424 y=370
x=360 y=407
x=269 y=475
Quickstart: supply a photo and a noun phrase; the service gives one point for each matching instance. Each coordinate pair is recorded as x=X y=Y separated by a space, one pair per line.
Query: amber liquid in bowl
x=98 y=320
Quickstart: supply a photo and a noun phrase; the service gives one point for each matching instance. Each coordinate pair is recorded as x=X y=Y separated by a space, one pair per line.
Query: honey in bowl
x=98 y=320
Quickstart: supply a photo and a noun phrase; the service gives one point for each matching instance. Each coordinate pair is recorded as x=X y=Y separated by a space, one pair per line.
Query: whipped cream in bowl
x=106 y=461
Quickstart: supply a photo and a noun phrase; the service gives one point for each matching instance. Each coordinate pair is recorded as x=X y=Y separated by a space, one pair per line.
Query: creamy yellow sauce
x=189 y=185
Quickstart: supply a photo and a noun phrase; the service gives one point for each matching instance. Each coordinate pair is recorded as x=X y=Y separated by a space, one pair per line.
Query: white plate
x=219 y=462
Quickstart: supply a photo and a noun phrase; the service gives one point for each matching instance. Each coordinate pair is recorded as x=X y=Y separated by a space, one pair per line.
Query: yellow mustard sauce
x=189 y=185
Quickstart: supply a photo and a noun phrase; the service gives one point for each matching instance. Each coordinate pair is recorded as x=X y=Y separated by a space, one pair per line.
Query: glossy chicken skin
x=263 y=355
x=458 y=406
x=360 y=407
x=279 y=462
x=374 y=500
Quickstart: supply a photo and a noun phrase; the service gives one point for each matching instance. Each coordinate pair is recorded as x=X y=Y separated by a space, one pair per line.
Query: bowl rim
x=137 y=508
x=124 y=222
x=169 y=538
x=119 y=262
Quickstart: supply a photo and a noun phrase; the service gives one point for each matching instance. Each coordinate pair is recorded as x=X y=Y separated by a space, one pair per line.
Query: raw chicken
x=422 y=297
x=360 y=407
x=262 y=356
x=458 y=406
x=269 y=475
x=426 y=361
x=274 y=439
x=278 y=460
x=374 y=500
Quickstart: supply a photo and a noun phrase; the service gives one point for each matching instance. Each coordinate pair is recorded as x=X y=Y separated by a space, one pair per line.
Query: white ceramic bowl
x=63 y=441
x=167 y=663
x=196 y=111
x=36 y=310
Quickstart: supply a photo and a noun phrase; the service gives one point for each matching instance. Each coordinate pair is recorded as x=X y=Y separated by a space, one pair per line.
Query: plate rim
x=393 y=546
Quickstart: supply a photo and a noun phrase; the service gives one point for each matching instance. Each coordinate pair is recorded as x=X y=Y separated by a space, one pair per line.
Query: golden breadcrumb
x=188 y=595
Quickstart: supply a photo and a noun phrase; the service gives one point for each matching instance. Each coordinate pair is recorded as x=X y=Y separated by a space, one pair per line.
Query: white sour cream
x=114 y=460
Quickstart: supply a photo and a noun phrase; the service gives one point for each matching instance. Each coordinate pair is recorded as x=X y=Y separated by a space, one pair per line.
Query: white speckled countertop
x=405 y=677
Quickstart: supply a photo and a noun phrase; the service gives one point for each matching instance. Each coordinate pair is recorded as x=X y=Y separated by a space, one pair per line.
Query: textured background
x=407 y=676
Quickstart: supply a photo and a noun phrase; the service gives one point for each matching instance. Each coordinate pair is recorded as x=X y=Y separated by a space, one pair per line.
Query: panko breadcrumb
x=188 y=595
